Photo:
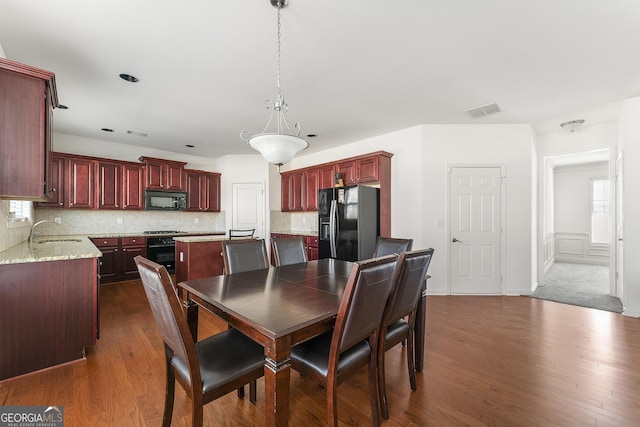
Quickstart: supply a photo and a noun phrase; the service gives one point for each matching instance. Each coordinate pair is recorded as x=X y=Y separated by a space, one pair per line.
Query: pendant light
x=281 y=144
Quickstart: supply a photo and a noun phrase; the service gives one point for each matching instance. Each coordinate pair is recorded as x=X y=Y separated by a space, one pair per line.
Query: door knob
x=454 y=240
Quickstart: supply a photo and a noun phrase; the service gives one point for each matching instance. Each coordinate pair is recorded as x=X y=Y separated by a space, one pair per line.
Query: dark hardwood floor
x=499 y=361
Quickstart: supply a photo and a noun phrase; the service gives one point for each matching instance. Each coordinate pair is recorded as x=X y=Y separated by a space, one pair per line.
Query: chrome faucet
x=33 y=227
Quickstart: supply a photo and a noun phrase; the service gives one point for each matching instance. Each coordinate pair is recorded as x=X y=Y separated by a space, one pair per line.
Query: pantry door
x=248 y=207
x=475 y=224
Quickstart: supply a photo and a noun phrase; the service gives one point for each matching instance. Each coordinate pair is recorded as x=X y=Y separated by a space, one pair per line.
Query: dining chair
x=289 y=250
x=241 y=234
x=402 y=304
x=332 y=357
x=207 y=369
x=244 y=255
x=389 y=245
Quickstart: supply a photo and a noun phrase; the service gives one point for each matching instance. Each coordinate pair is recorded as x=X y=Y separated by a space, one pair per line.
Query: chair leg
x=411 y=362
x=252 y=391
x=332 y=403
x=382 y=385
x=373 y=390
x=241 y=392
x=196 y=410
x=169 y=391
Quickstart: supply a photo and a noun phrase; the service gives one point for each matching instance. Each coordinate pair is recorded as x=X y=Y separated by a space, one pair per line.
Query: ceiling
x=350 y=69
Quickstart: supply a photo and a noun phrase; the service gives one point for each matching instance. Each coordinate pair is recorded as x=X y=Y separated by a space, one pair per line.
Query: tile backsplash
x=297 y=222
x=105 y=221
x=11 y=233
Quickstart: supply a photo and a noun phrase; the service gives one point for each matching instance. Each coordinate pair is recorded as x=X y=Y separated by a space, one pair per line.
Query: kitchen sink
x=59 y=240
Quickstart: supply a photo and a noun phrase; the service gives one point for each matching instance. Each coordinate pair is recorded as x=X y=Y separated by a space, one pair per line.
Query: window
x=19 y=210
x=600 y=211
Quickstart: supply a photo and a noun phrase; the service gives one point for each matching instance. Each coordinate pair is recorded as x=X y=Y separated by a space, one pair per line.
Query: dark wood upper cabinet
x=57 y=185
x=109 y=180
x=80 y=183
x=27 y=98
x=132 y=186
x=299 y=188
x=164 y=174
x=203 y=191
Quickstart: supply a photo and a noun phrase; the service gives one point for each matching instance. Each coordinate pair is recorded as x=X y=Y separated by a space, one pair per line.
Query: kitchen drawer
x=134 y=241
x=106 y=241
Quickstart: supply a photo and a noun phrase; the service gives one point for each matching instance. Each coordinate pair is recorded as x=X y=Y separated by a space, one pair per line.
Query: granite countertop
x=50 y=248
x=141 y=234
x=207 y=238
x=296 y=232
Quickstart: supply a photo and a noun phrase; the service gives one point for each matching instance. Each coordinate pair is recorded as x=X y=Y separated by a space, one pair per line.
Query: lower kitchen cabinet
x=50 y=314
x=117 y=262
x=196 y=258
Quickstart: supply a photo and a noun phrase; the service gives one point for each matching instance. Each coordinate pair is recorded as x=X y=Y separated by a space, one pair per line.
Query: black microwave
x=155 y=200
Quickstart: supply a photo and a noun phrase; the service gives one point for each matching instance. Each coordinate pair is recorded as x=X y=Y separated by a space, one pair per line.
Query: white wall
x=419 y=179
x=629 y=145
x=508 y=145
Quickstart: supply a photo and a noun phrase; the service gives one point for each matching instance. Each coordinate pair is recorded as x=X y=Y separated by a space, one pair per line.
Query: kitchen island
x=48 y=303
x=198 y=256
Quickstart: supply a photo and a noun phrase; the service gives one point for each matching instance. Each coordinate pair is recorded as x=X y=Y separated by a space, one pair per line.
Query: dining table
x=278 y=308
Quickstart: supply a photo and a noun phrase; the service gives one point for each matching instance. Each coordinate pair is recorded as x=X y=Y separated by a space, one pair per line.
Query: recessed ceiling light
x=129 y=78
x=63 y=107
x=107 y=130
x=311 y=135
x=189 y=145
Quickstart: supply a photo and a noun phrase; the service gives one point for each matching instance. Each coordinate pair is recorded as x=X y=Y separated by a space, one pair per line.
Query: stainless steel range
x=161 y=248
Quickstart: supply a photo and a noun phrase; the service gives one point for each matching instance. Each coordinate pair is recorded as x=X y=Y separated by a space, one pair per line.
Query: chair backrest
x=289 y=250
x=363 y=302
x=244 y=255
x=168 y=313
x=389 y=245
x=241 y=234
x=410 y=281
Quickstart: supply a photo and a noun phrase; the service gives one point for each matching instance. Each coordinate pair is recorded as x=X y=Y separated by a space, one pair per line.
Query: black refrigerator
x=348 y=222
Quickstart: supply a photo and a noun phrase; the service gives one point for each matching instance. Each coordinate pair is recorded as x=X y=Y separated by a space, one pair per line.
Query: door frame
x=503 y=204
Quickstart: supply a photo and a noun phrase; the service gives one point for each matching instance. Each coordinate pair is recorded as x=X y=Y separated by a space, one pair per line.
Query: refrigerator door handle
x=333 y=228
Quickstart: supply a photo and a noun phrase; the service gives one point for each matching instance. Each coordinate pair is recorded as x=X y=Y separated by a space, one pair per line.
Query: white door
x=475 y=223
x=619 y=244
x=248 y=207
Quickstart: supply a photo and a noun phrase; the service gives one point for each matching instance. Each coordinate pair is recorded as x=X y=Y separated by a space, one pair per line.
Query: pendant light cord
x=279 y=34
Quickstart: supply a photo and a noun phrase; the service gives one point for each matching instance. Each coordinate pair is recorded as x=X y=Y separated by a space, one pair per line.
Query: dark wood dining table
x=278 y=308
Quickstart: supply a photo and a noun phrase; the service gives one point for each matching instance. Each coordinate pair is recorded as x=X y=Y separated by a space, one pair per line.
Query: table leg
x=277 y=375
x=421 y=312
x=192 y=318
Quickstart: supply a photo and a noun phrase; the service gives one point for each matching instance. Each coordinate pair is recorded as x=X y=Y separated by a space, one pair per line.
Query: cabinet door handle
x=115 y=250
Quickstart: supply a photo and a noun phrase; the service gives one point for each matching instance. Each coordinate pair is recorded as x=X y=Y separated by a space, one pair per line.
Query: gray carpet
x=579 y=284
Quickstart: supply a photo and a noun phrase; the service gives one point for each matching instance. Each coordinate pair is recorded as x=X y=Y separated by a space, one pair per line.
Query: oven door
x=163 y=255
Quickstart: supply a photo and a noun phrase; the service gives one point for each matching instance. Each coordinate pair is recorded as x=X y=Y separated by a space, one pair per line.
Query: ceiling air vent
x=136 y=133
x=484 y=110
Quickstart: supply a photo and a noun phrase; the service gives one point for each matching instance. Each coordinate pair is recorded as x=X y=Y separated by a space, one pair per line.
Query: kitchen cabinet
x=118 y=253
x=56 y=182
x=80 y=183
x=203 y=191
x=50 y=314
x=109 y=180
x=292 y=184
x=373 y=169
x=315 y=179
x=198 y=258
x=132 y=186
x=28 y=97
x=311 y=243
x=164 y=174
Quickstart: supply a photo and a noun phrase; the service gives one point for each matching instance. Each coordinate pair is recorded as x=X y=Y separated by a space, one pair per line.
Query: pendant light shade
x=281 y=144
